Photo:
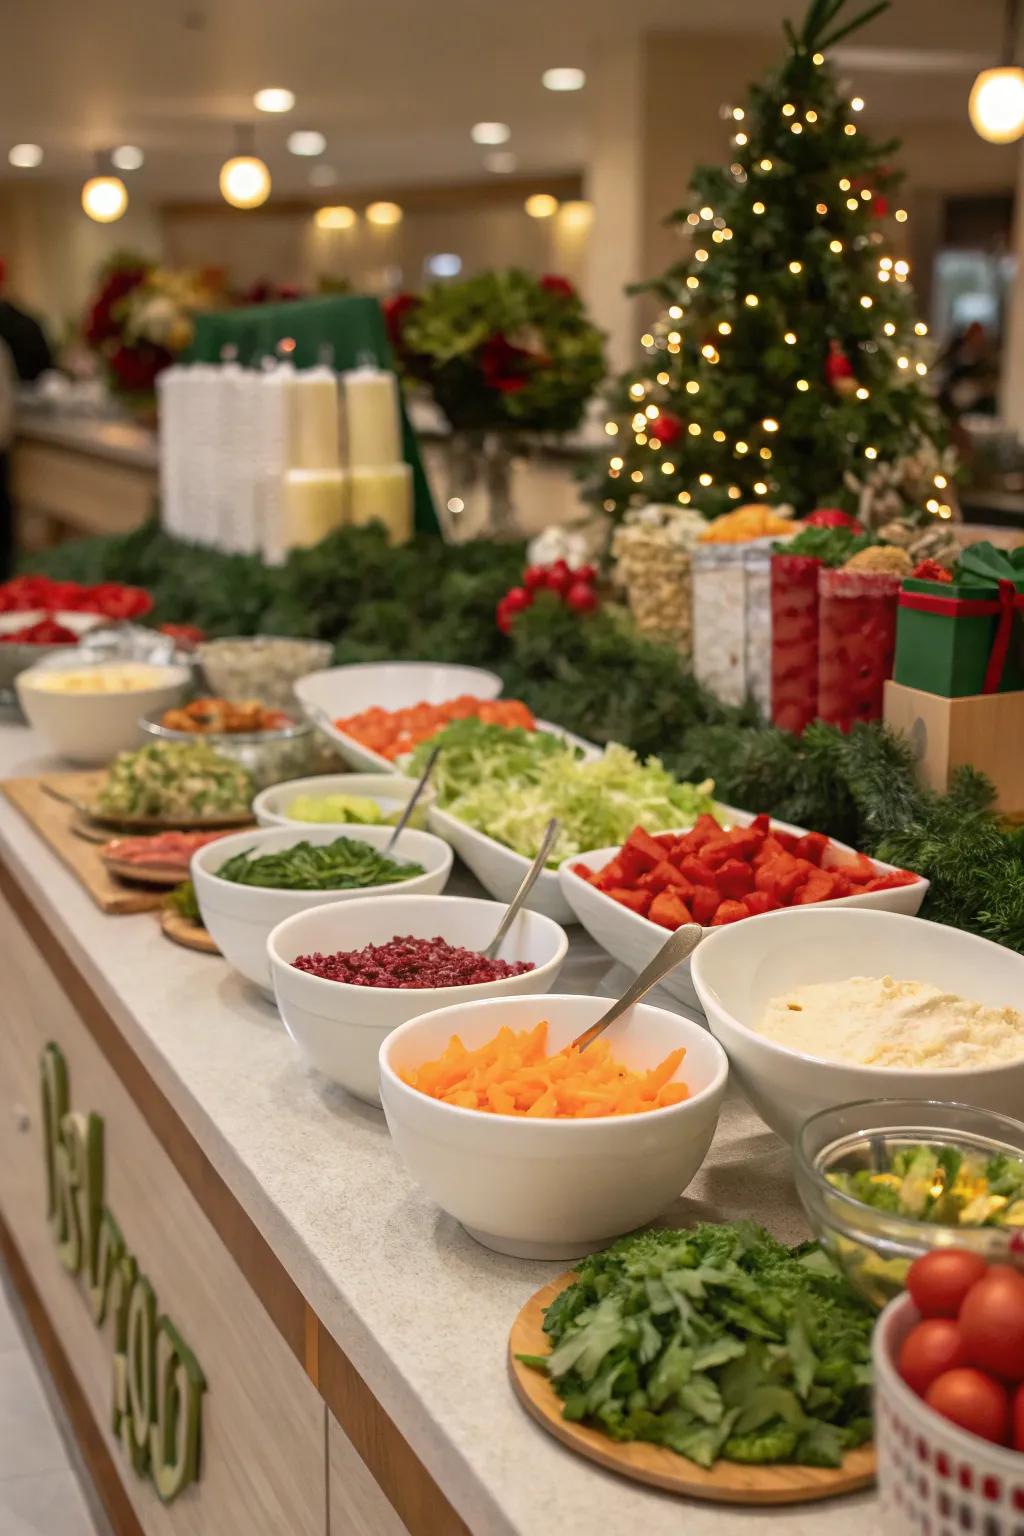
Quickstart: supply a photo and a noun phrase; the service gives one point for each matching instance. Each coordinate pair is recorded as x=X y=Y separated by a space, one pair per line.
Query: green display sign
x=158 y=1386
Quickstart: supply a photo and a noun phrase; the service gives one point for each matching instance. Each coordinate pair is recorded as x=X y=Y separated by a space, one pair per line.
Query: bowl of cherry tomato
x=948 y=1360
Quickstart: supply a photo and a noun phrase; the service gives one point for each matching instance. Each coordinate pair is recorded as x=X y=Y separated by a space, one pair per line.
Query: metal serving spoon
x=421 y=784
x=674 y=950
x=547 y=842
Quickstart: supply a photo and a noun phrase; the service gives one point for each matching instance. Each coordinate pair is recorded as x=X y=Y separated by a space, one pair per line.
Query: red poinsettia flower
x=135 y=368
x=667 y=428
x=395 y=311
x=552 y=283
x=505 y=367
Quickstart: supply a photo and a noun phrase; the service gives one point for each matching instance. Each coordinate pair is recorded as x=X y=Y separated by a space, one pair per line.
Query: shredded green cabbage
x=509 y=783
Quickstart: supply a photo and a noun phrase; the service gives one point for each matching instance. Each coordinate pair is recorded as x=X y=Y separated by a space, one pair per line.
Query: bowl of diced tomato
x=720 y=872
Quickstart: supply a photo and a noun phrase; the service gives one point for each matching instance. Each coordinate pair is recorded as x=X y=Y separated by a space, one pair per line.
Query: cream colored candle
x=373 y=431
x=313 y=427
x=383 y=496
x=313 y=506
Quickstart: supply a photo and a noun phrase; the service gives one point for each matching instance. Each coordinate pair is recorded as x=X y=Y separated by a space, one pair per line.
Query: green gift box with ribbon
x=965 y=637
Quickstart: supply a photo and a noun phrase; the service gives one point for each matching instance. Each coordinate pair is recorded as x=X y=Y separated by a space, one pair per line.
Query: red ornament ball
x=667 y=427
x=582 y=598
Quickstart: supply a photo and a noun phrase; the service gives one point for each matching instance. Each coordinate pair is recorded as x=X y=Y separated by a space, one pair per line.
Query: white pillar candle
x=172 y=386
x=313 y=505
x=313 y=420
x=272 y=415
x=382 y=496
x=373 y=431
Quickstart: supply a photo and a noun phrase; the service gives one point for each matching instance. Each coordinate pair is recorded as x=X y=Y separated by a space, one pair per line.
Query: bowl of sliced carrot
x=539 y=1150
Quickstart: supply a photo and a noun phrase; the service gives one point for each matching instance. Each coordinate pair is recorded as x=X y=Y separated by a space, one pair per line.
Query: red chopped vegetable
x=410 y=963
x=711 y=876
x=42 y=632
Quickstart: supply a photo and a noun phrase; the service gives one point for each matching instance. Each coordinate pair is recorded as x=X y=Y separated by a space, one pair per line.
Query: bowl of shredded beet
x=345 y=975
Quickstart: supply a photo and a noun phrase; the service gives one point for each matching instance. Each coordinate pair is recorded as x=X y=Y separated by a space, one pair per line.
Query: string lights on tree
x=788 y=361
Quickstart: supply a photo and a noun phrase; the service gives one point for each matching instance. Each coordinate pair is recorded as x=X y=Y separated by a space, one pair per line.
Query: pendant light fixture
x=104 y=197
x=244 y=179
x=996 y=104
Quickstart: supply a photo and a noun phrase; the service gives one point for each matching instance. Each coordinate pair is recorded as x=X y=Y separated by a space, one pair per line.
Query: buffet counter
x=80 y=475
x=351 y=1338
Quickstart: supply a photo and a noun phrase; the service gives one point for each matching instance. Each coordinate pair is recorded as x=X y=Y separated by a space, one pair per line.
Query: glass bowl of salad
x=886 y=1180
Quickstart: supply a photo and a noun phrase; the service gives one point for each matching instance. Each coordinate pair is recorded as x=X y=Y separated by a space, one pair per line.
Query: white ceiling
x=394 y=85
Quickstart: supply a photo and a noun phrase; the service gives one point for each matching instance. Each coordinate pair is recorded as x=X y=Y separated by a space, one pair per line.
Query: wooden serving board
x=145 y=874
x=53 y=819
x=726 y=1482
x=182 y=930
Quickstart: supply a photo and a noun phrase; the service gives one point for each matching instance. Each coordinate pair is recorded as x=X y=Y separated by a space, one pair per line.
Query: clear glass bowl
x=263 y=667
x=289 y=752
x=875 y=1248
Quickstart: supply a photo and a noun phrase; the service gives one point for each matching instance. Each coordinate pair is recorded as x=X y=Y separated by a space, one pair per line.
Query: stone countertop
x=421 y=1309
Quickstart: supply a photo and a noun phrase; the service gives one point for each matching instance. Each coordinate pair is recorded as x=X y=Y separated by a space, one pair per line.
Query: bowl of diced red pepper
x=714 y=874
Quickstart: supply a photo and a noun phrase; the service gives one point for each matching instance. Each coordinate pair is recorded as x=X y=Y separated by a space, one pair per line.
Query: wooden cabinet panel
x=85 y=492
x=263 y=1470
x=356 y=1505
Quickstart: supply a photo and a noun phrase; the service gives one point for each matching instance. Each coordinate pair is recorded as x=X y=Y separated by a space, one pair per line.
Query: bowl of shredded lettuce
x=497 y=789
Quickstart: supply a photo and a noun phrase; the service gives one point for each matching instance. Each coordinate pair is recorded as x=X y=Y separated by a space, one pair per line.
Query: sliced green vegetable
x=343 y=865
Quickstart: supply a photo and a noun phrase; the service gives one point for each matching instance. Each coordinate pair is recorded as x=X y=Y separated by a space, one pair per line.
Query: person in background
x=8 y=381
x=25 y=337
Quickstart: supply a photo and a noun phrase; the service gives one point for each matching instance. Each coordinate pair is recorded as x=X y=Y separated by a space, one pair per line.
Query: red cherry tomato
x=992 y=1322
x=559 y=578
x=1018 y=1419
x=516 y=599
x=940 y=1280
x=535 y=576
x=929 y=1349
x=974 y=1401
x=586 y=573
x=581 y=597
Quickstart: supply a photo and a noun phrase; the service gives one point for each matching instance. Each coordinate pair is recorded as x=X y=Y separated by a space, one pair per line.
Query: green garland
x=596 y=677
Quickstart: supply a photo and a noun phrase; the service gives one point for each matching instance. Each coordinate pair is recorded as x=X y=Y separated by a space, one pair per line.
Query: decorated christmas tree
x=788 y=365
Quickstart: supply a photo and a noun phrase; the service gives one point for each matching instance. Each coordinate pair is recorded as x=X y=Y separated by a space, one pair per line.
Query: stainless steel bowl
x=873 y=1247
x=288 y=752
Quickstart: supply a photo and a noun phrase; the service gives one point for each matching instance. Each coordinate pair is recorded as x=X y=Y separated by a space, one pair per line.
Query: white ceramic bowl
x=240 y=917
x=738 y=968
x=337 y=692
x=545 y=1188
x=339 y=1028
x=91 y=728
x=390 y=791
x=634 y=940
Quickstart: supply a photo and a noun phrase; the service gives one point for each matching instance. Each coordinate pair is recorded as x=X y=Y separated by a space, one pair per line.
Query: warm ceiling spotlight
x=576 y=214
x=127 y=157
x=274 y=98
x=306 y=141
x=337 y=217
x=996 y=104
x=244 y=180
x=563 y=79
x=384 y=214
x=541 y=205
x=25 y=156
x=490 y=133
x=104 y=197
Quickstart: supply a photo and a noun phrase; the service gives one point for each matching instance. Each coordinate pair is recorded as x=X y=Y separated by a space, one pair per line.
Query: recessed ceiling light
x=384 y=213
x=104 y=198
x=541 y=205
x=306 y=141
x=274 y=98
x=25 y=156
x=339 y=217
x=564 y=79
x=490 y=133
x=444 y=264
x=127 y=157
x=501 y=162
x=322 y=176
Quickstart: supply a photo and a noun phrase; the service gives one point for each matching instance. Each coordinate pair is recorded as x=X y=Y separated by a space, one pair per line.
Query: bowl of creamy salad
x=817 y=1008
x=87 y=711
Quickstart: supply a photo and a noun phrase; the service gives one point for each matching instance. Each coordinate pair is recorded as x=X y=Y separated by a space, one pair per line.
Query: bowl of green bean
x=248 y=883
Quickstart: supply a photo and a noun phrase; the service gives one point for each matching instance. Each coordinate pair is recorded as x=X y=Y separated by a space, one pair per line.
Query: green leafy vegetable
x=183 y=901
x=343 y=865
x=714 y=1342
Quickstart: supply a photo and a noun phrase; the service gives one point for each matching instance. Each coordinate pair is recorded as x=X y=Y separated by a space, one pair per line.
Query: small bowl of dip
x=883 y=1182
x=87 y=711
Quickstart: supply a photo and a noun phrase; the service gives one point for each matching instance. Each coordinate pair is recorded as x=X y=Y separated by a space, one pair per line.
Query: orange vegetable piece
x=512 y=1074
x=393 y=732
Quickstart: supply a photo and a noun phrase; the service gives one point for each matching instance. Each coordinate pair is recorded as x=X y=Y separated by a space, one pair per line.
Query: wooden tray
x=726 y=1482
x=181 y=930
x=53 y=820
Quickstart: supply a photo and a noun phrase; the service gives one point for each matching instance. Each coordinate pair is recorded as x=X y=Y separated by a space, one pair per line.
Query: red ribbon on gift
x=1005 y=605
